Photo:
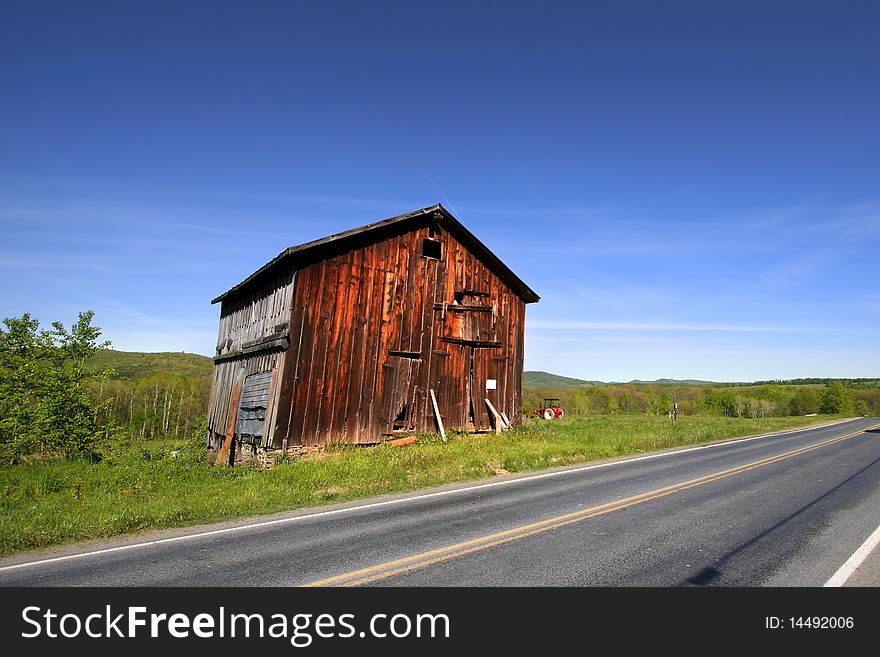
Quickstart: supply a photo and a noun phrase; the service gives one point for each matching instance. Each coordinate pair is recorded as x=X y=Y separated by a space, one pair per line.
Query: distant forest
x=165 y=395
x=154 y=395
x=856 y=397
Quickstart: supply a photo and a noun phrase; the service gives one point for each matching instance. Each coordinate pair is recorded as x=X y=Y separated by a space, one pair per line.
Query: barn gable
x=345 y=338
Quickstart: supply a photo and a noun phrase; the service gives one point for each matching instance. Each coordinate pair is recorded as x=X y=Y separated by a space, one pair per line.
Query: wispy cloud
x=800 y=269
x=40 y=261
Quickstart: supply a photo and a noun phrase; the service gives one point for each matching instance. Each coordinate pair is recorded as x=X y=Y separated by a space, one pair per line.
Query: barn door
x=398 y=395
x=249 y=424
x=472 y=392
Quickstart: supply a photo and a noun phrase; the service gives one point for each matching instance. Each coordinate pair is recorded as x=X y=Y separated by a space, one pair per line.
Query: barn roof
x=295 y=254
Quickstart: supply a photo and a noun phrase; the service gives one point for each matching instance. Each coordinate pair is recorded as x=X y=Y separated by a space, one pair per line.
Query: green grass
x=44 y=504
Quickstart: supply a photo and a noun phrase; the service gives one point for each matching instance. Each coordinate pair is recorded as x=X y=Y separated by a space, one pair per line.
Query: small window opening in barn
x=432 y=249
x=414 y=355
x=434 y=232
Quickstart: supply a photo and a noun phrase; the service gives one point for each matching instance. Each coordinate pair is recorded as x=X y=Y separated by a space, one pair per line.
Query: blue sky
x=692 y=188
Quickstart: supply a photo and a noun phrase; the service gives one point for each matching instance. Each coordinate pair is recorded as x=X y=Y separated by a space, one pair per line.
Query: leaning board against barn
x=344 y=338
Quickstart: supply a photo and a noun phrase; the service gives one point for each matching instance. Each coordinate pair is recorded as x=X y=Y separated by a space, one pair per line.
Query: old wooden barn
x=354 y=337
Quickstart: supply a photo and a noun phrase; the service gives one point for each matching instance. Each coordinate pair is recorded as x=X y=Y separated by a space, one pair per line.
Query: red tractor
x=549 y=410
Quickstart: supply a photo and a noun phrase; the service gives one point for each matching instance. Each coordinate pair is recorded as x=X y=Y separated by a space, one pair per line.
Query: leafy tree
x=45 y=402
x=804 y=401
x=834 y=398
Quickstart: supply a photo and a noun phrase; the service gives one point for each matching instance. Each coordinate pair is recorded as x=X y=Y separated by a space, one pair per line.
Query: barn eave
x=339 y=240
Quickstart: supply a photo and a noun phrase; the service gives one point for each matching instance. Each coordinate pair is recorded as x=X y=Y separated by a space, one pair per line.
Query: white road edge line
x=857 y=559
x=414 y=498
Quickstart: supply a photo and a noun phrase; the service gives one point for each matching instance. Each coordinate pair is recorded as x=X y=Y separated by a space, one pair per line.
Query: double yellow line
x=431 y=557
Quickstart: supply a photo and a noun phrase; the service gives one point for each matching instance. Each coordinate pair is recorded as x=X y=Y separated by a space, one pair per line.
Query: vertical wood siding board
x=515 y=326
x=481 y=413
x=412 y=308
x=373 y=277
x=359 y=352
x=447 y=404
x=432 y=342
x=496 y=396
x=212 y=399
x=462 y=370
x=391 y=392
x=274 y=431
x=450 y=407
x=325 y=303
x=433 y=325
x=334 y=310
x=293 y=363
x=515 y=361
x=313 y=328
x=305 y=302
x=215 y=391
x=510 y=352
x=220 y=397
x=340 y=371
x=486 y=371
x=374 y=362
x=400 y=312
x=386 y=330
x=405 y=294
x=467 y=376
x=504 y=328
x=520 y=351
x=272 y=405
x=369 y=276
x=374 y=327
x=391 y=369
x=409 y=390
x=287 y=372
x=455 y=384
x=423 y=371
x=353 y=368
x=307 y=378
x=256 y=317
x=344 y=412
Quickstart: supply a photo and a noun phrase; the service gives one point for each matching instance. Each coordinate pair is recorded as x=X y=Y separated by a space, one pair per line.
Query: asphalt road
x=782 y=510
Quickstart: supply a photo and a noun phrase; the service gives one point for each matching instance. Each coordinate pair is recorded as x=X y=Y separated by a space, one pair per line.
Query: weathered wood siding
x=374 y=327
x=253 y=337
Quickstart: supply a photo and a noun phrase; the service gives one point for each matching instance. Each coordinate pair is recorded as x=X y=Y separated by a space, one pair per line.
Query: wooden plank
x=272 y=406
x=437 y=416
x=262 y=345
x=334 y=373
x=373 y=326
x=359 y=353
x=381 y=400
x=506 y=421
x=496 y=417
x=310 y=278
x=323 y=316
x=226 y=453
x=422 y=374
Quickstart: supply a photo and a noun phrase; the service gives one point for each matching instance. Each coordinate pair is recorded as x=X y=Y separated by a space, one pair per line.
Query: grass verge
x=45 y=504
